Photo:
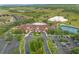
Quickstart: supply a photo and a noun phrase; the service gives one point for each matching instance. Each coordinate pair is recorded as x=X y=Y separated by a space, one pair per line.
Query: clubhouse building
x=34 y=27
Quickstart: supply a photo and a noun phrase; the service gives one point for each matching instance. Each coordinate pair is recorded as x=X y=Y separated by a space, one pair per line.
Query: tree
x=8 y=36
x=50 y=23
x=17 y=31
x=75 y=50
x=50 y=31
x=75 y=36
x=19 y=37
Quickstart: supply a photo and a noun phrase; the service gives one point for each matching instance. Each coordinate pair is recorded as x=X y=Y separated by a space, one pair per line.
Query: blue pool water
x=69 y=29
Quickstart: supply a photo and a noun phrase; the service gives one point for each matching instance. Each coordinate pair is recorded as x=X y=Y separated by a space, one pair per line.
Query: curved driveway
x=28 y=37
x=45 y=43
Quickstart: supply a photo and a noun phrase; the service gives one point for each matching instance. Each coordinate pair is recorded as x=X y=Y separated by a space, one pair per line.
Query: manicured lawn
x=36 y=45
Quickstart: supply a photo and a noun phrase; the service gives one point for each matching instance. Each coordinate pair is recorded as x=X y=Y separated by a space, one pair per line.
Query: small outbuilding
x=58 y=19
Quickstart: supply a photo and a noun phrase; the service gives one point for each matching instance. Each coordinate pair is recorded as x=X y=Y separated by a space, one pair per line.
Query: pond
x=69 y=29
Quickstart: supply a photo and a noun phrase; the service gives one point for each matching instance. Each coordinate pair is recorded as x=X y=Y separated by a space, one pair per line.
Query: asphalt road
x=2 y=44
x=45 y=43
x=10 y=46
x=28 y=37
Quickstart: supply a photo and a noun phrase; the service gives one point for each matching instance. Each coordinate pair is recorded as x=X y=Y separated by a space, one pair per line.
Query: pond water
x=69 y=29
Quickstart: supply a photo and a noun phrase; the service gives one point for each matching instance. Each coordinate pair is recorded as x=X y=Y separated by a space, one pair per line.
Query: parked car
x=77 y=43
x=63 y=44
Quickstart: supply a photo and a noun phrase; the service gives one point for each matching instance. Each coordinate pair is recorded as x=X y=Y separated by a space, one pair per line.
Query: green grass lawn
x=36 y=45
